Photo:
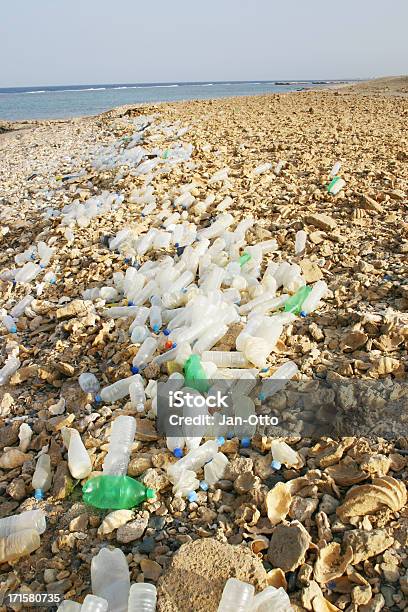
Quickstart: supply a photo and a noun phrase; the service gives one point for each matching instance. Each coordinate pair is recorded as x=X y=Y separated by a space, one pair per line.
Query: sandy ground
x=357 y=242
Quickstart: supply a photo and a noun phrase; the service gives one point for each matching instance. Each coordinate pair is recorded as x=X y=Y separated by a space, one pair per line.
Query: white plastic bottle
x=283 y=453
x=214 y=470
x=195 y=459
x=30 y=519
x=142 y=597
x=10 y=367
x=226 y=359
x=42 y=476
x=9 y=323
x=335 y=170
x=116 y=390
x=137 y=394
x=79 y=462
x=68 y=605
x=89 y=383
x=237 y=596
x=155 y=318
x=93 y=603
x=313 y=299
x=19 y=545
x=262 y=168
x=24 y=435
x=300 y=242
x=20 y=307
x=272 y=600
x=110 y=578
x=144 y=355
x=278 y=380
x=27 y=273
x=120 y=446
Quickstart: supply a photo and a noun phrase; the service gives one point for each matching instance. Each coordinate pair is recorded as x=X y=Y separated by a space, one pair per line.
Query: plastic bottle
x=20 y=307
x=9 y=323
x=272 y=600
x=117 y=312
x=155 y=319
x=300 y=242
x=30 y=519
x=336 y=185
x=24 y=435
x=117 y=390
x=79 y=462
x=137 y=394
x=262 y=168
x=10 y=367
x=279 y=167
x=226 y=359
x=283 y=453
x=210 y=337
x=18 y=545
x=42 y=476
x=294 y=303
x=335 y=170
x=278 y=380
x=115 y=492
x=93 y=603
x=142 y=597
x=27 y=273
x=312 y=301
x=110 y=578
x=214 y=470
x=144 y=355
x=89 y=383
x=237 y=596
x=194 y=459
x=120 y=445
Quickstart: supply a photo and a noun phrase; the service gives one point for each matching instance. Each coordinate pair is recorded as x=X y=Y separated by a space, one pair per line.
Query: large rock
x=288 y=546
x=199 y=571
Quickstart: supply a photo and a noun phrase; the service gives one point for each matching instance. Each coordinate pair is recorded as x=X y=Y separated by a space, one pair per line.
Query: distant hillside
x=393 y=86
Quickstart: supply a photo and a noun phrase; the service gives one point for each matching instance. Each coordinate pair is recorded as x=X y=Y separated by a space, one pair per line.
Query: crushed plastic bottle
x=9 y=323
x=142 y=597
x=20 y=307
x=116 y=391
x=237 y=596
x=30 y=519
x=300 y=242
x=282 y=453
x=335 y=170
x=110 y=578
x=18 y=545
x=214 y=470
x=194 y=374
x=295 y=302
x=89 y=383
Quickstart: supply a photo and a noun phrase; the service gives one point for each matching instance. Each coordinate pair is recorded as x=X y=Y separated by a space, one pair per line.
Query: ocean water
x=64 y=101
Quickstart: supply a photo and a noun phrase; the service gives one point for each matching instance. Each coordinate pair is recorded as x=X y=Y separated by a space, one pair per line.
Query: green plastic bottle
x=194 y=374
x=245 y=257
x=115 y=492
x=294 y=303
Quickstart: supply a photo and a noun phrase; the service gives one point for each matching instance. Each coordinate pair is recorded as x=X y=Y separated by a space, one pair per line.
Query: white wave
x=33 y=92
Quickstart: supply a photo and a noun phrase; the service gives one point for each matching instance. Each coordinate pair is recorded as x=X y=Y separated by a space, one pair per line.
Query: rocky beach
x=331 y=529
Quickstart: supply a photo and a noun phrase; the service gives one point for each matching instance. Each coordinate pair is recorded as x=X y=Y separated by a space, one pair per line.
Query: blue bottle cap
x=176 y=244
x=262 y=397
x=156 y=328
x=192 y=496
x=130 y=303
x=98 y=399
x=39 y=494
x=13 y=329
x=166 y=332
x=127 y=260
x=134 y=370
x=264 y=370
x=203 y=485
x=42 y=266
x=276 y=465
x=178 y=452
x=230 y=435
x=53 y=281
x=303 y=313
x=246 y=442
x=221 y=440
x=174 y=344
x=14 y=282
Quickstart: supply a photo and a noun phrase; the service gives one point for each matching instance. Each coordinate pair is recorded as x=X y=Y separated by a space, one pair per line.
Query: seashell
x=330 y=564
x=278 y=502
x=320 y=604
x=259 y=543
x=385 y=492
x=276 y=578
x=114 y=520
x=13 y=458
x=346 y=473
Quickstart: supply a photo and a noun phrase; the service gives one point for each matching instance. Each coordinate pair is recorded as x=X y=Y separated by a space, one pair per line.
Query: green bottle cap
x=245 y=257
x=150 y=493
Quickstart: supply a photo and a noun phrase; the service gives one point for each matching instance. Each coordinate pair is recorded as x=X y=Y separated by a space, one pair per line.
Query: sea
x=65 y=101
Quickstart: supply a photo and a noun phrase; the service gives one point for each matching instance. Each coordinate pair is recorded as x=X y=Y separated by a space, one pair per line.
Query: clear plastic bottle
x=9 y=323
x=278 y=380
x=79 y=462
x=194 y=459
x=10 y=367
x=142 y=597
x=30 y=519
x=120 y=446
x=116 y=391
x=27 y=273
x=89 y=383
x=272 y=600
x=237 y=596
x=335 y=170
x=300 y=242
x=137 y=394
x=283 y=453
x=110 y=578
x=312 y=301
x=262 y=168
x=226 y=359
x=20 y=307
x=117 y=312
x=24 y=435
x=42 y=476
x=93 y=603
x=155 y=318
x=19 y=545
x=68 y=605
x=214 y=470
x=210 y=337
x=144 y=355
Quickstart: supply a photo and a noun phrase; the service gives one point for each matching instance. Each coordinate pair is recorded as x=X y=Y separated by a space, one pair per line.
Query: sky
x=53 y=42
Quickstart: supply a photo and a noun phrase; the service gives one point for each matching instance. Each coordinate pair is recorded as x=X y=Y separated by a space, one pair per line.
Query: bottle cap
x=98 y=398
x=39 y=494
x=246 y=442
x=303 y=313
x=220 y=440
x=150 y=493
x=262 y=397
x=276 y=464
x=178 y=452
x=130 y=303
x=203 y=485
x=156 y=328
x=13 y=329
x=134 y=369
x=166 y=332
x=192 y=496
